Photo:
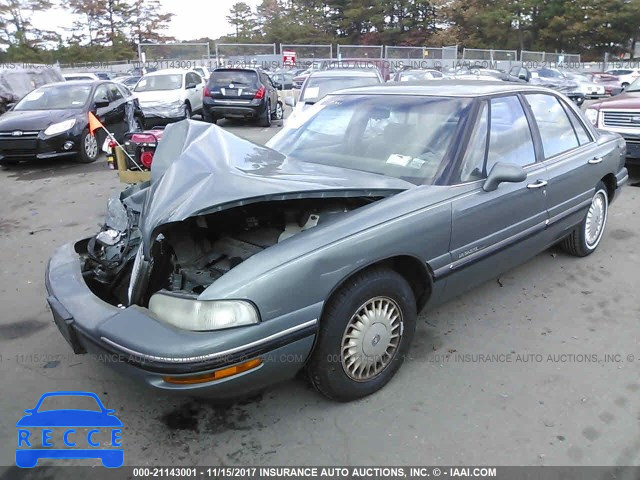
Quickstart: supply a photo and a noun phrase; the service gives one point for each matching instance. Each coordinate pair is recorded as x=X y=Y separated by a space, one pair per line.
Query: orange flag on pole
x=94 y=123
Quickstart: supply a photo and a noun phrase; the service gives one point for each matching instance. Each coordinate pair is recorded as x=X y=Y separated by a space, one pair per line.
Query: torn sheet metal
x=200 y=168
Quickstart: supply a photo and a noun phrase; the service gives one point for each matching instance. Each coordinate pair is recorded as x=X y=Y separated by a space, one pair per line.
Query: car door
x=195 y=94
x=271 y=90
x=107 y=114
x=494 y=231
x=119 y=108
x=572 y=158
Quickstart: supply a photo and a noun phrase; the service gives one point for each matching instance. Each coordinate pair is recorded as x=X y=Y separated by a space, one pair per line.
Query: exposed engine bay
x=189 y=256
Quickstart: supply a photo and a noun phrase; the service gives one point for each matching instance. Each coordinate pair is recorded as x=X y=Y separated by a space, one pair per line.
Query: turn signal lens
x=216 y=375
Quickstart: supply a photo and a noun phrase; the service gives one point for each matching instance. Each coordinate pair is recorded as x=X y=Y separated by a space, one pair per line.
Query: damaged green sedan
x=238 y=264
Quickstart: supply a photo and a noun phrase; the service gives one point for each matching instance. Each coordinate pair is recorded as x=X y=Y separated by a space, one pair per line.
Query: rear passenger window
x=510 y=137
x=473 y=163
x=556 y=131
x=581 y=131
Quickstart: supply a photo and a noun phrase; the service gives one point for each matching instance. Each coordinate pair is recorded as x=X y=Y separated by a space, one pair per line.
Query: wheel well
x=417 y=274
x=611 y=183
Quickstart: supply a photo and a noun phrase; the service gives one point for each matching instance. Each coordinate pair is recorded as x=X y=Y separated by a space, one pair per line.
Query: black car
x=245 y=93
x=52 y=121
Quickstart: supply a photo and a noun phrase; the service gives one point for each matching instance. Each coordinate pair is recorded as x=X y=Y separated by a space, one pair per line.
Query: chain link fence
x=308 y=53
x=529 y=57
x=360 y=51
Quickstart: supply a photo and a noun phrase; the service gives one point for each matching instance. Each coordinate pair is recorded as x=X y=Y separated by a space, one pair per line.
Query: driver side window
x=101 y=93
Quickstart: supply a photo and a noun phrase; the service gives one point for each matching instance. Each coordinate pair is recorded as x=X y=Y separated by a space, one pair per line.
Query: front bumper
x=39 y=146
x=134 y=342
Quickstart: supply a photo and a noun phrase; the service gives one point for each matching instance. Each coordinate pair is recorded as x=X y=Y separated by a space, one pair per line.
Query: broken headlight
x=202 y=315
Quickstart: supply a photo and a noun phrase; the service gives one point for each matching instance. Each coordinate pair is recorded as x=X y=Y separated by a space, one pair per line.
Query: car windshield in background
x=237 y=77
x=634 y=87
x=545 y=73
x=405 y=137
x=319 y=87
x=159 y=82
x=60 y=97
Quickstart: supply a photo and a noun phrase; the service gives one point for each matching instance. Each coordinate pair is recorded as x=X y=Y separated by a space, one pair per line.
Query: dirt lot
x=557 y=401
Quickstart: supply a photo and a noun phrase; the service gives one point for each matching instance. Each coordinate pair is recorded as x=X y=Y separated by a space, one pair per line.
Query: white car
x=626 y=75
x=203 y=72
x=169 y=95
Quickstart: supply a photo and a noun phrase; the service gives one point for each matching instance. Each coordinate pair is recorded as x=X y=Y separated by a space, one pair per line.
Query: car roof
x=168 y=71
x=248 y=69
x=345 y=72
x=78 y=82
x=445 y=88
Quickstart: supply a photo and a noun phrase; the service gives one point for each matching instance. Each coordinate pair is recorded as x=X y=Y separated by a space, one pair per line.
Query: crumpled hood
x=200 y=168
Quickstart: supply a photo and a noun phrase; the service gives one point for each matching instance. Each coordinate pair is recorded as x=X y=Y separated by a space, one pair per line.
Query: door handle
x=595 y=160
x=537 y=184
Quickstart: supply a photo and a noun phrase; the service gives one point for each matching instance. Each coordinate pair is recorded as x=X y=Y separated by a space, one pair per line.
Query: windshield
x=319 y=87
x=237 y=77
x=405 y=137
x=59 y=97
x=159 y=82
x=549 y=73
x=634 y=87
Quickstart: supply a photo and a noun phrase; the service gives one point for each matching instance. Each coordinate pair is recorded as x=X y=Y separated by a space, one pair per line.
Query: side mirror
x=290 y=101
x=503 y=172
x=191 y=85
x=278 y=85
x=102 y=102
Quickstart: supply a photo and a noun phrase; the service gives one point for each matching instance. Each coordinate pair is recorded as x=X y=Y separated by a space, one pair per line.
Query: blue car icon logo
x=66 y=428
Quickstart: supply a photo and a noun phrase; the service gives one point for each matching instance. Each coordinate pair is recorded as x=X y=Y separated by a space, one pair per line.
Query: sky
x=192 y=18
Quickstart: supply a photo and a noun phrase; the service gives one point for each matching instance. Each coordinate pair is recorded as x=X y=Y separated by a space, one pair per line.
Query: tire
x=579 y=101
x=334 y=371
x=139 y=124
x=586 y=237
x=206 y=117
x=625 y=85
x=187 y=111
x=279 y=113
x=87 y=152
x=265 y=118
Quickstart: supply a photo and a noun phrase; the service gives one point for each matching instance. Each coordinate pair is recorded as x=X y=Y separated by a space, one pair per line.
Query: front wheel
x=279 y=113
x=88 y=147
x=585 y=238
x=365 y=333
x=187 y=112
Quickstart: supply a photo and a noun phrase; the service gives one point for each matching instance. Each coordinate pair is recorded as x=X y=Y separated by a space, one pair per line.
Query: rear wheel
x=365 y=333
x=187 y=111
x=265 y=118
x=89 y=148
x=585 y=238
x=207 y=117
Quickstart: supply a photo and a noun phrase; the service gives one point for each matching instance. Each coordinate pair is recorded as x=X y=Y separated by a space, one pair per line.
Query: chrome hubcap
x=91 y=146
x=596 y=217
x=371 y=339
